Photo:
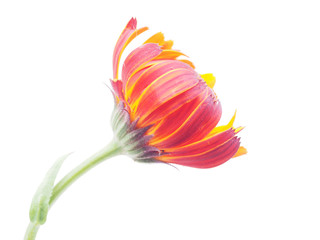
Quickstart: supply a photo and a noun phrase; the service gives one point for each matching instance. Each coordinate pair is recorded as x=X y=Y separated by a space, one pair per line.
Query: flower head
x=165 y=111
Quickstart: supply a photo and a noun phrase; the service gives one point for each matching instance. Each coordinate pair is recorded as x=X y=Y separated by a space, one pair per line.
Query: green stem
x=31 y=232
x=109 y=151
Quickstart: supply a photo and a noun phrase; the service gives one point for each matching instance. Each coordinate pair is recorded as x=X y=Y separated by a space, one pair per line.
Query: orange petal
x=156 y=38
x=187 y=62
x=167 y=44
x=241 y=151
x=159 y=39
x=170 y=54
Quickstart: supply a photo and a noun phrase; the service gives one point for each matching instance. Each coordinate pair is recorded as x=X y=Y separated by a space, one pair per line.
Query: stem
x=109 y=151
x=31 y=232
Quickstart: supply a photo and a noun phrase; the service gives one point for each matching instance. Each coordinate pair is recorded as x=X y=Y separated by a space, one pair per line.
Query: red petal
x=129 y=29
x=117 y=87
x=127 y=35
x=174 y=120
x=197 y=125
x=202 y=146
x=152 y=74
x=168 y=107
x=137 y=58
x=190 y=123
x=210 y=159
x=163 y=89
x=132 y=24
x=134 y=78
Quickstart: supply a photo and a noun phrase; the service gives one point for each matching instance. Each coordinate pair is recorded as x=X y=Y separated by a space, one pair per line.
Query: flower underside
x=169 y=112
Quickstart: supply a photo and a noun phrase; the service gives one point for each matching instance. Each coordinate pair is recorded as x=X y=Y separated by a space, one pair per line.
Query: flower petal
x=170 y=54
x=156 y=38
x=241 y=151
x=127 y=35
x=210 y=159
x=152 y=74
x=137 y=58
x=209 y=79
x=161 y=110
x=167 y=44
x=202 y=146
x=224 y=127
x=198 y=124
x=164 y=88
x=174 y=120
x=117 y=87
x=187 y=62
x=159 y=39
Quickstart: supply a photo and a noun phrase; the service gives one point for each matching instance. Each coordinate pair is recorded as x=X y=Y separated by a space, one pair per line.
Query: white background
x=55 y=58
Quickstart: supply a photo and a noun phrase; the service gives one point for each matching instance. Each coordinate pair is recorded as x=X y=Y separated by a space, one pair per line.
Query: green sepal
x=40 y=203
x=133 y=140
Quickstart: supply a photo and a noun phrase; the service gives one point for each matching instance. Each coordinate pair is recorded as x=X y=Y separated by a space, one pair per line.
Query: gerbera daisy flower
x=164 y=110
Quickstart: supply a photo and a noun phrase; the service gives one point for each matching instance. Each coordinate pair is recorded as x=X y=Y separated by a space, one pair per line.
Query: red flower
x=165 y=110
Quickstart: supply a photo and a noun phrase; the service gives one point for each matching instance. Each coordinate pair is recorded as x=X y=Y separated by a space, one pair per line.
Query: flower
x=164 y=110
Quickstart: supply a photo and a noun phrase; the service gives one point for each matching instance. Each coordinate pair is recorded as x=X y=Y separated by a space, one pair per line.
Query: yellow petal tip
x=209 y=79
x=241 y=151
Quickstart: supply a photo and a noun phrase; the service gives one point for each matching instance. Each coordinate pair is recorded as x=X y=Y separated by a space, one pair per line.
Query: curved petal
x=127 y=35
x=156 y=38
x=137 y=58
x=209 y=79
x=167 y=44
x=152 y=74
x=133 y=79
x=163 y=89
x=151 y=116
x=173 y=121
x=187 y=62
x=170 y=54
x=159 y=39
x=241 y=151
x=210 y=159
x=202 y=146
x=219 y=129
x=195 y=127
x=117 y=87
